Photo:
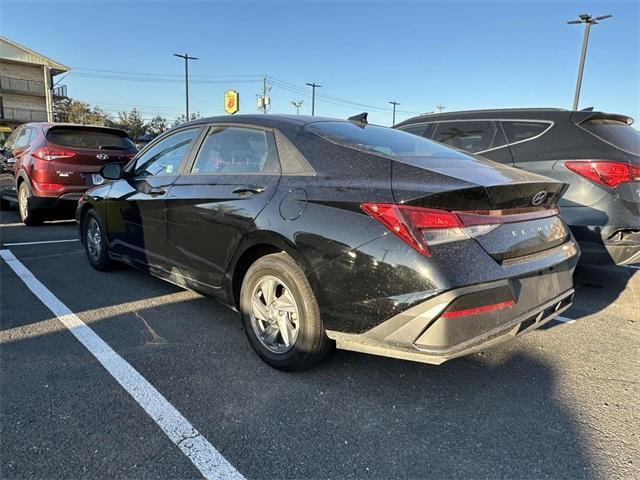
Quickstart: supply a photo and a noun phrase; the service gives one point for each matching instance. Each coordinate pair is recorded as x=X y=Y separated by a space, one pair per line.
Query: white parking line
x=562 y=319
x=202 y=454
x=39 y=243
x=637 y=267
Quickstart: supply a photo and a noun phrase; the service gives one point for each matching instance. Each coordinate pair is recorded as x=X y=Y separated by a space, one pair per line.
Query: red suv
x=46 y=167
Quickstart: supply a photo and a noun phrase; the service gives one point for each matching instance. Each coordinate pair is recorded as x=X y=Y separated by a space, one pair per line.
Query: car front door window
x=164 y=158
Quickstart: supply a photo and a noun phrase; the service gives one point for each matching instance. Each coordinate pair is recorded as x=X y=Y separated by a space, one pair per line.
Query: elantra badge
x=539 y=197
x=104 y=156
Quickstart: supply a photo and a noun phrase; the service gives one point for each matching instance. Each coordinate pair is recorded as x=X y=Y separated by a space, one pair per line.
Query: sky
x=456 y=54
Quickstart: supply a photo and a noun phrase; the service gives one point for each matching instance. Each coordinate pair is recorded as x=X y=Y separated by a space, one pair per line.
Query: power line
x=229 y=78
x=164 y=74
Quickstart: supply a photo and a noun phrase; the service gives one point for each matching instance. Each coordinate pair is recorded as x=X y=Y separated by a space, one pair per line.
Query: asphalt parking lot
x=557 y=403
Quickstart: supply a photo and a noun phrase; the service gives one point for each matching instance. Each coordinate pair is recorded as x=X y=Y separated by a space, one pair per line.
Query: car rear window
x=617 y=133
x=90 y=139
x=387 y=142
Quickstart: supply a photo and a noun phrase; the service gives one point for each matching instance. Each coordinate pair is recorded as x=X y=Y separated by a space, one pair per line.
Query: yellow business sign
x=231 y=101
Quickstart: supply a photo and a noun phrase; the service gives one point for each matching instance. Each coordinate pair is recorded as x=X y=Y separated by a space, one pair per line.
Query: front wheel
x=95 y=243
x=280 y=314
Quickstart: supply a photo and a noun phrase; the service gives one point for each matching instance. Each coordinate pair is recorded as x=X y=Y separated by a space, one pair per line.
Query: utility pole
x=394 y=103
x=313 y=96
x=186 y=78
x=588 y=20
x=297 y=104
x=440 y=108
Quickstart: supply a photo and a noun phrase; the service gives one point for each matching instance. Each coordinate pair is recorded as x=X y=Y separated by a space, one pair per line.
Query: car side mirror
x=112 y=171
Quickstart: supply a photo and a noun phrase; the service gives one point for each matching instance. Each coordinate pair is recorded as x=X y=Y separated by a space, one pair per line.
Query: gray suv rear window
x=617 y=133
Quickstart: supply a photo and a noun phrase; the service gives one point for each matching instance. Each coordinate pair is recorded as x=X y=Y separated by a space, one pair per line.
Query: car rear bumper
x=423 y=334
x=67 y=202
x=620 y=246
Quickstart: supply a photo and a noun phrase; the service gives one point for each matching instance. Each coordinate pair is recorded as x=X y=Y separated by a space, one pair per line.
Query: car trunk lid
x=510 y=213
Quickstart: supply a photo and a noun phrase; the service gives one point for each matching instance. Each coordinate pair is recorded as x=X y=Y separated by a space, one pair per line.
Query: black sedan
x=322 y=230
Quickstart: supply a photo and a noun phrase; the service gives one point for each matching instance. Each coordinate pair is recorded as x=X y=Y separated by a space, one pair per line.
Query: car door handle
x=249 y=189
x=157 y=191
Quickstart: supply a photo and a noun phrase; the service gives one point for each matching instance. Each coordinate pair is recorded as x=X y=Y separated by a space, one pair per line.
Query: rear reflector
x=420 y=227
x=46 y=153
x=609 y=174
x=47 y=186
x=477 y=310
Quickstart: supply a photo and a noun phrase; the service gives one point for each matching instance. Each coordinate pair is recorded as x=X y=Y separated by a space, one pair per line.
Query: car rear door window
x=237 y=150
x=164 y=157
x=417 y=129
x=22 y=140
x=517 y=131
x=470 y=136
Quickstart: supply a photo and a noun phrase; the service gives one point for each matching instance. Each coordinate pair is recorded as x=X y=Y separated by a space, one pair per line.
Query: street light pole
x=297 y=104
x=186 y=78
x=313 y=96
x=588 y=20
x=394 y=103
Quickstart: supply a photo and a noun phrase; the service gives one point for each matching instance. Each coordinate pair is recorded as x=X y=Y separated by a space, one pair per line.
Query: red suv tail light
x=609 y=174
x=46 y=153
x=420 y=227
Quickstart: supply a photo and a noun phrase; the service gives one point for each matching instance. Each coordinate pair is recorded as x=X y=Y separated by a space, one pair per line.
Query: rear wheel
x=280 y=314
x=27 y=214
x=95 y=244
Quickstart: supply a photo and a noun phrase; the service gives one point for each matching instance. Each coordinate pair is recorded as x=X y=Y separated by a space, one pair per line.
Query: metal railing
x=20 y=85
x=22 y=115
x=60 y=91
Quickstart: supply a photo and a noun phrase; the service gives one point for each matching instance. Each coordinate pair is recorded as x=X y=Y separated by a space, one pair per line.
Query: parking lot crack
x=155 y=338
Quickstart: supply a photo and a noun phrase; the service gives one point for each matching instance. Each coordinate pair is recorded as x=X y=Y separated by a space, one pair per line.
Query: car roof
x=550 y=114
x=271 y=120
x=518 y=113
x=45 y=126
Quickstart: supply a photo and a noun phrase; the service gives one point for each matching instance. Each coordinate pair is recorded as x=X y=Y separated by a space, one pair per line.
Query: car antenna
x=361 y=118
x=588 y=109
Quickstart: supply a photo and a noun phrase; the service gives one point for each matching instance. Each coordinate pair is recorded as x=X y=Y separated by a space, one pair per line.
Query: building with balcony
x=27 y=84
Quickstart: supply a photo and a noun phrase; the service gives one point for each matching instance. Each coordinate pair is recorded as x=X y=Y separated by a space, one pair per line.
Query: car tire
x=95 y=243
x=285 y=329
x=28 y=215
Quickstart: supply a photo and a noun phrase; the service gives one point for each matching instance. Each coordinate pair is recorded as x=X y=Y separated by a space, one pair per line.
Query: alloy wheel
x=274 y=314
x=23 y=202
x=94 y=239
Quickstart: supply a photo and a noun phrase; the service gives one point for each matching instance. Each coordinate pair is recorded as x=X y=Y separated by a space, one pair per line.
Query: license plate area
x=96 y=179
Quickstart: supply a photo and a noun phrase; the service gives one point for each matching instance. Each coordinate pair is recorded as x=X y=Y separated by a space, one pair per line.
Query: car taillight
x=420 y=227
x=47 y=153
x=417 y=226
x=609 y=174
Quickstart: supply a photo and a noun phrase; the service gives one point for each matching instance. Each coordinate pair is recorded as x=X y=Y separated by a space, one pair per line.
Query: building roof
x=14 y=52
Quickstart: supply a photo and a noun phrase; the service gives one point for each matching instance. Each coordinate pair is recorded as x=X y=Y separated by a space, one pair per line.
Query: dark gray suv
x=597 y=153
